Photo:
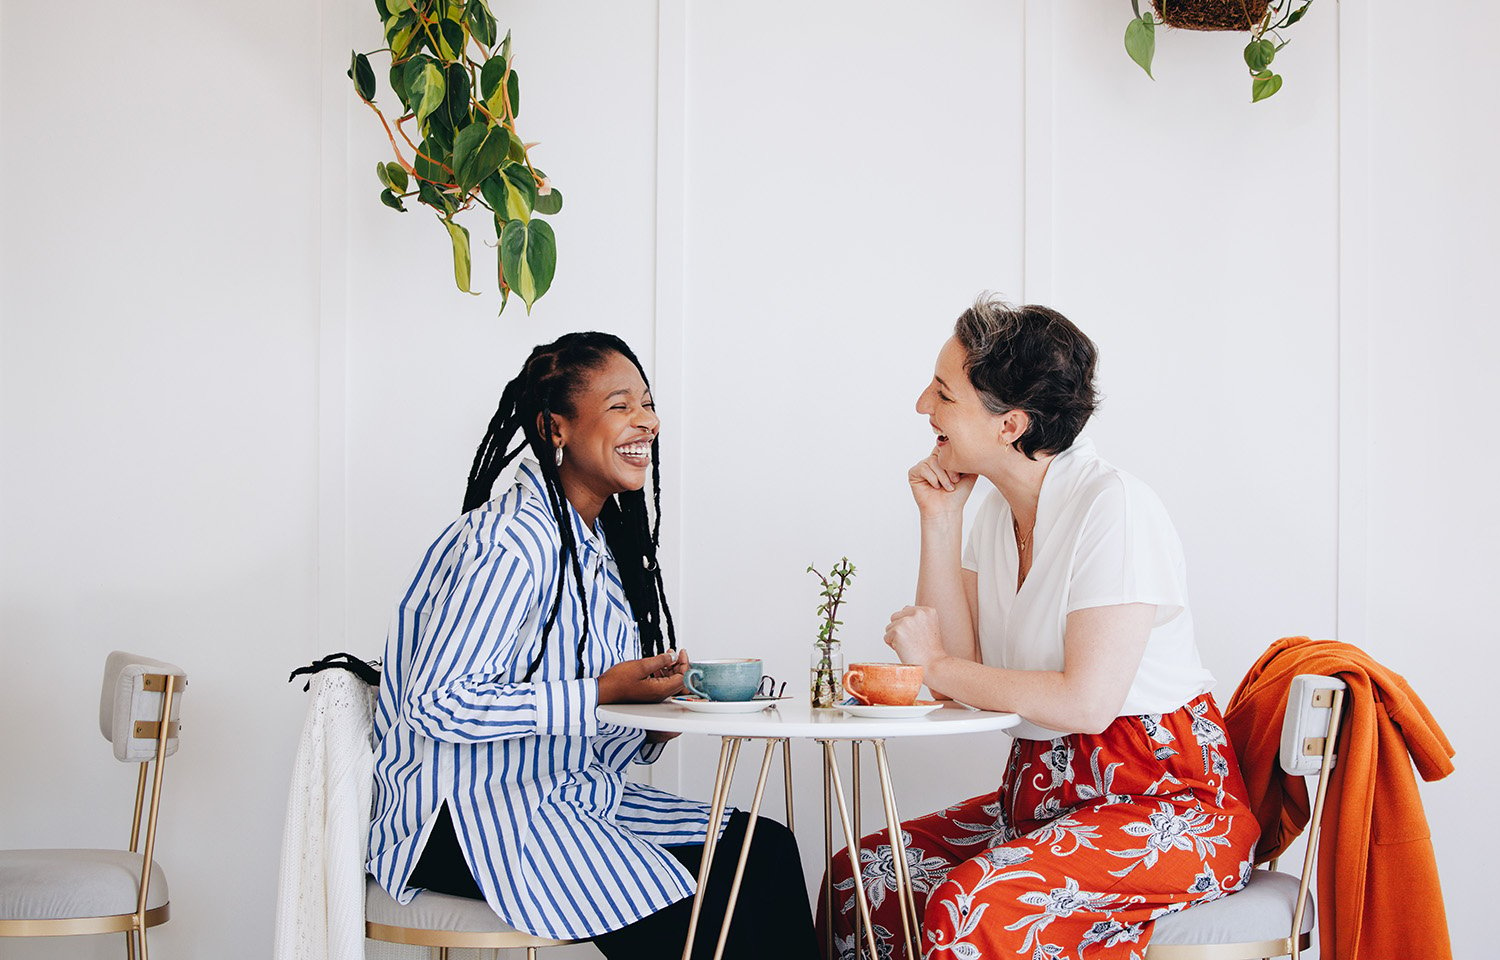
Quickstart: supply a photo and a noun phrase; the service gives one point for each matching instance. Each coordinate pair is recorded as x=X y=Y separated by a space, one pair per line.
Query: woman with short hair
x=494 y=779
x=1122 y=799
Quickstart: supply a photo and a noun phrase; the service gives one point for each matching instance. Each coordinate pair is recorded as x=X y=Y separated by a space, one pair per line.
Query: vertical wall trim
x=671 y=275
x=1037 y=122
x=1353 y=322
x=333 y=347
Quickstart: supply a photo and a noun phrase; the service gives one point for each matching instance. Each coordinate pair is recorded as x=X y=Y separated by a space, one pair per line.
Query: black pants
x=772 y=917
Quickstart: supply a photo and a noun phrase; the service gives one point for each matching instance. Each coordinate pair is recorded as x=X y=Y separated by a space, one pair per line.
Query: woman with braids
x=1122 y=800
x=494 y=780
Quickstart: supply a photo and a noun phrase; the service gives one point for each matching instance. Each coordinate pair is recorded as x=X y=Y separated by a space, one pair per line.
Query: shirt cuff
x=650 y=752
x=565 y=708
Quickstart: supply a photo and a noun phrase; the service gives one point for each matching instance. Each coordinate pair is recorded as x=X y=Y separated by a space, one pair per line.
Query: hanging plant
x=1263 y=18
x=455 y=139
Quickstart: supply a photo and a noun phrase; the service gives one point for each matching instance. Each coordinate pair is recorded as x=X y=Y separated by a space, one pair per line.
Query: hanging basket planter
x=1262 y=19
x=1211 y=14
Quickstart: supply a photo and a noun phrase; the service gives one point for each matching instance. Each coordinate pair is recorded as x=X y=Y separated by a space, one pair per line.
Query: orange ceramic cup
x=889 y=684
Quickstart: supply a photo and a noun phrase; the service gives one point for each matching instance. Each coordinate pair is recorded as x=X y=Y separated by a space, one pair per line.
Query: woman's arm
x=454 y=693
x=942 y=582
x=1102 y=647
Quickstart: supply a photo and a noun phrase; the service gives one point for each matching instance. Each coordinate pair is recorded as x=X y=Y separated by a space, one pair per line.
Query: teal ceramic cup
x=723 y=679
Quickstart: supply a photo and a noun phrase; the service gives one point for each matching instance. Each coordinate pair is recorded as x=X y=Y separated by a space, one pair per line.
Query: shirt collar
x=529 y=478
x=1063 y=474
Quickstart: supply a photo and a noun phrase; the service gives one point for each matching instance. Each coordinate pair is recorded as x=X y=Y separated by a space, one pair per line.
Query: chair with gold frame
x=441 y=922
x=1272 y=916
x=62 y=893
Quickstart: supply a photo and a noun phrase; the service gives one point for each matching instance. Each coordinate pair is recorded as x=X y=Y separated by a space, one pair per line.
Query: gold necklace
x=1021 y=542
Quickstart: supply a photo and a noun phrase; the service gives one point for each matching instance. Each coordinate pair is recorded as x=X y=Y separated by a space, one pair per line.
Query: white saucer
x=699 y=705
x=885 y=711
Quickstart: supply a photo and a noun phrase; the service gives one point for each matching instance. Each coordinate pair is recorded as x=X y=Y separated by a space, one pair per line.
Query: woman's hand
x=649 y=680
x=939 y=492
x=913 y=633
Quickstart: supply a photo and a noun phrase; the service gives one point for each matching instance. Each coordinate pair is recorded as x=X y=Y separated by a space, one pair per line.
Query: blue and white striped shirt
x=559 y=842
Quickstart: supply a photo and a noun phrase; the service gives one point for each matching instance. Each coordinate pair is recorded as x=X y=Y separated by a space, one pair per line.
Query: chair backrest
x=1309 y=734
x=130 y=705
x=1310 y=721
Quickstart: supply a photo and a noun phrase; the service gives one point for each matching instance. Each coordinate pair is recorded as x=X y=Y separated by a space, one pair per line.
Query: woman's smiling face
x=607 y=439
x=967 y=432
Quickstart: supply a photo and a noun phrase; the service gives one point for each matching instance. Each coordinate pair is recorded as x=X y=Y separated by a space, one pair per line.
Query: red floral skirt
x=1089 y=840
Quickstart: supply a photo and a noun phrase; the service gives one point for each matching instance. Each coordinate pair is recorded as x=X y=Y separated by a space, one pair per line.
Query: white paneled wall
x=237 y=395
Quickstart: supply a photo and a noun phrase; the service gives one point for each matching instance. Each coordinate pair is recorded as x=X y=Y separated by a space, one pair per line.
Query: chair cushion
x=66 y=884
x=431 y=911
x=1261 y=911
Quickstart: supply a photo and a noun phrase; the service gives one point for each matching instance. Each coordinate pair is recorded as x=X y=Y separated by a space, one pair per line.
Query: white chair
x=63 y=893
x=323 y=872
x=1273 y=915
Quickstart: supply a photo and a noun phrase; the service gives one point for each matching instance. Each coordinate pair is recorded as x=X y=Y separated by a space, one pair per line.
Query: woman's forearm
x=940 y=583
x=1048 y=698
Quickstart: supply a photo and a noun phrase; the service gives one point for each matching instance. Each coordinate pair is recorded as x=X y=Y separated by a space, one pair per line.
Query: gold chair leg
x=145 y=951
x=129 y=945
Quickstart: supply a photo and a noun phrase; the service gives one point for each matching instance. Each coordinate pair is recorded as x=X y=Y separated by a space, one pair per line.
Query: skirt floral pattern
x=1088 y=841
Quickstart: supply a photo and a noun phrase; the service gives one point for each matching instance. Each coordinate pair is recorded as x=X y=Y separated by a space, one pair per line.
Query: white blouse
x=1102 y=537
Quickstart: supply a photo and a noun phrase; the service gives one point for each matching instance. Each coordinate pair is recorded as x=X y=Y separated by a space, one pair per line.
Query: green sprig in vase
x=827 y=661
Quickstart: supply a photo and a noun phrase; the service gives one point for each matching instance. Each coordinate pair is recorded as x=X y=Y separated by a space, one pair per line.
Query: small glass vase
x=826 y=675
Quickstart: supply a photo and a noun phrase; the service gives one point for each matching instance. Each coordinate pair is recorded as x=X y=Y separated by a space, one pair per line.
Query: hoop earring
x=558 y=460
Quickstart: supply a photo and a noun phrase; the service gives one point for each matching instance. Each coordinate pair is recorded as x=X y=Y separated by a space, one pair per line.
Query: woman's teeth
x=635 y=451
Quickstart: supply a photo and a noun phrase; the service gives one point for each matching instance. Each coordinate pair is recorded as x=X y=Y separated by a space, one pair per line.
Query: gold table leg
x=911 y=925
x=828 y=890
x=729 y=750
x=786 y=775
x=739 y=869
x=830 y=763
x=859 y=832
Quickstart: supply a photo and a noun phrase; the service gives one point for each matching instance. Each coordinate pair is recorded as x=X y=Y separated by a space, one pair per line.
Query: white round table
x=795 y=719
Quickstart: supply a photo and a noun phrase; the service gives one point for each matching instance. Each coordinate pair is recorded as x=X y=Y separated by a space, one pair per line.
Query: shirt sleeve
x=1128 y=552
x=456 y=693
x=981 y=533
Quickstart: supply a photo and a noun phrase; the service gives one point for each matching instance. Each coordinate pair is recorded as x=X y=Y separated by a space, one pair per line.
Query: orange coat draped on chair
x=1378 y=891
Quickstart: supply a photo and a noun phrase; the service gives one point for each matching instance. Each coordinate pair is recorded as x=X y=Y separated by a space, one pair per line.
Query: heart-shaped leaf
x=465 y=153
x=362 y=75
x=550 y=202
x=1263 y=87
x=490 y=76
x=1140 y=41
x=451 y=39
x=528 y=255
x=397 y=177
x=481 y=22
x=460 y=237
x=424 y=84
x=1259 y=54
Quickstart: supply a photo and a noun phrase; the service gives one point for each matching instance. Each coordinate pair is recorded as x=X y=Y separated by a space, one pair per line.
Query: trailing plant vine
x=457 y=86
